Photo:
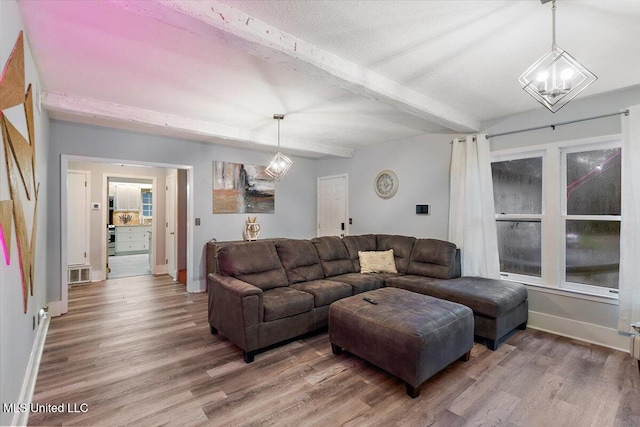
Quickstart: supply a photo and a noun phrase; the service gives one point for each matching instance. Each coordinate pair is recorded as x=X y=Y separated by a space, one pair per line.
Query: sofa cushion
x=284 y=302
x=256 y=263
x=377 y=262
x=401 y=245
x=487 y=297
x=354 y=244
x=333 y=254
x=361 y=282
x=300 y=260
x=433 y=258
x=324 y=291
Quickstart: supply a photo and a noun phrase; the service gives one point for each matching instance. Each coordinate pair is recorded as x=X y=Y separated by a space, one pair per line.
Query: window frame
x=149 y=204
x=553 y=225
x=564 y=217
x=521 y=155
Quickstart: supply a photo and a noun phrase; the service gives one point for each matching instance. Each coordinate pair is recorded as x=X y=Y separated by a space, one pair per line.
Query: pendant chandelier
x=556 y=78
x=280 y=163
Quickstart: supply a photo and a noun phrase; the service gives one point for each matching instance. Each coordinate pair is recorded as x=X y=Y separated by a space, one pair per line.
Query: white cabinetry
x=128 y=197
x=132 y=239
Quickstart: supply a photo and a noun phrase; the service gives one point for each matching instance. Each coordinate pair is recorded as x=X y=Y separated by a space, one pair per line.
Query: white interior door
x=332 y=206
x=171 y=237
x=77 y=218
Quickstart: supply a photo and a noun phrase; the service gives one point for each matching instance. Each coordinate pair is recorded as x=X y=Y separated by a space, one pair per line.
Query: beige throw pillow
x=377 y=262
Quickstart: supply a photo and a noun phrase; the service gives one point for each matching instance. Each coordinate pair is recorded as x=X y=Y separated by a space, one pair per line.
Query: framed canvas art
x=240 y=188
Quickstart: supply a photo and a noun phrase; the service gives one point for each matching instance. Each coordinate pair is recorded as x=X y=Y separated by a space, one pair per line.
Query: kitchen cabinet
x=132 y=239
x=128 y=197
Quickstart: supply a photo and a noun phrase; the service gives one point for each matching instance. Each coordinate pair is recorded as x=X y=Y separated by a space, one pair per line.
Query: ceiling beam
x=272 y=44
x=133 y=118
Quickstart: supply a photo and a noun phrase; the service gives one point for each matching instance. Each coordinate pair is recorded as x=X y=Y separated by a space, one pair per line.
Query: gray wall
x=422 y=165
x=17 y=336
x=577 y=109
x=295 y=210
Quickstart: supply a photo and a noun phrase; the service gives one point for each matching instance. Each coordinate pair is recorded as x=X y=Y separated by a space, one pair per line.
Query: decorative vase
x=252 y=230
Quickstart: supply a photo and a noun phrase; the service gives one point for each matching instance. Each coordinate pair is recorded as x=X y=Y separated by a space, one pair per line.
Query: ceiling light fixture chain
x=556 y=78
x=553 y=24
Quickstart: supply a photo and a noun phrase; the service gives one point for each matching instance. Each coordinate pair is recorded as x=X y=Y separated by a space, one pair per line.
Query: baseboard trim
x=29 y=383
x=587 y=332
x=56 y=308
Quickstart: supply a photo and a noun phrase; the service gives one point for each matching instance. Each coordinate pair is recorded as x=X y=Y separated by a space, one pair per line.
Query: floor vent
x=79 y=274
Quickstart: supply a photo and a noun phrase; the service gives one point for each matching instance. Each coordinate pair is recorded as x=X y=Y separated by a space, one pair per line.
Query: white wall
x=295 y=203
x=17 y=336
x=422 y=165
x=591 y=319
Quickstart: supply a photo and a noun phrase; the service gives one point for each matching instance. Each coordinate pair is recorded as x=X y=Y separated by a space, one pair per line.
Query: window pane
x=593 y=252
x=519 y=247
x=517 y=186
x=593 y=182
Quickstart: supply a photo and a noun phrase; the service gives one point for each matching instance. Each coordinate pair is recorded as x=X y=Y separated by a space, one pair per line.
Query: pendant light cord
x=553 y=24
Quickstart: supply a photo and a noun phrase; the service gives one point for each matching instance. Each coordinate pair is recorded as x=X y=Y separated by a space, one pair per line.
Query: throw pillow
x=377 y=262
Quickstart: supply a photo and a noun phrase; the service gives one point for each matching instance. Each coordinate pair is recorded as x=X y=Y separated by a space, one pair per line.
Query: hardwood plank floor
x=137 y=351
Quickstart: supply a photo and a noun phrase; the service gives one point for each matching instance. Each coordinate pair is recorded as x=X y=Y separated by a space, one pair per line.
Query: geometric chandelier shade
x=556 y=78
x=280 y=163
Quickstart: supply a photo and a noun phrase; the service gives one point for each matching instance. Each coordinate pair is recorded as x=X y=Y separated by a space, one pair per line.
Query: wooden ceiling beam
x=269 y=43
x=94 y=111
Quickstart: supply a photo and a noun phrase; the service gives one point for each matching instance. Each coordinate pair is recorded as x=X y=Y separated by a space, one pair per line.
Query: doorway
x=129 y=226
x=99 y=234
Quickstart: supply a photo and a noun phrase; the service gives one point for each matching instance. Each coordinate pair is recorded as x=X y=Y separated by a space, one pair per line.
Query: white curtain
x=629 y=285
x=472 y=223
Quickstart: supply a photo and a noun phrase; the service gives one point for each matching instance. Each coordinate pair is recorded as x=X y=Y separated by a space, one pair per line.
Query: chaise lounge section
x=265 y=292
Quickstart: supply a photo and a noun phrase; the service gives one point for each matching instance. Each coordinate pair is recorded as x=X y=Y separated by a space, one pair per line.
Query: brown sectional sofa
x=265 y=292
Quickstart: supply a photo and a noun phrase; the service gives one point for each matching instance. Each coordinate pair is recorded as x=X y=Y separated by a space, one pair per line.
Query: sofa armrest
x=235 y=309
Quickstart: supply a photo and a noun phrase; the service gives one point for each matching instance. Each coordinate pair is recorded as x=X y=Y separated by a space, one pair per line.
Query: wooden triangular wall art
x=19 y=159
x=23 y=153
x=6 y=221
x=12 y=81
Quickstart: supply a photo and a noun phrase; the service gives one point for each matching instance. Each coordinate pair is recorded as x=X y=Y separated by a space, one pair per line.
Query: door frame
x=62 y=306
x=174 y=214
x=346 y=201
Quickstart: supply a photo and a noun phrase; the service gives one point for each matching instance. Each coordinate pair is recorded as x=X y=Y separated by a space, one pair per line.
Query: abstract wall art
x=20 y=160
x=240 y=188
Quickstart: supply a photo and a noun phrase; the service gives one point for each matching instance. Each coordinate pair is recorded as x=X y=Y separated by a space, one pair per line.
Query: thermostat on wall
x=422 y=209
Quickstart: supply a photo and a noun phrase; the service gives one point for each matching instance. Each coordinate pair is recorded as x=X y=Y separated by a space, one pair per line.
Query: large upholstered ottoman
x=410 y=335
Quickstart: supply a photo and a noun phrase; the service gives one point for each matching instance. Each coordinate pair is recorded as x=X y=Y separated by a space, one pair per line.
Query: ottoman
x=409 y=335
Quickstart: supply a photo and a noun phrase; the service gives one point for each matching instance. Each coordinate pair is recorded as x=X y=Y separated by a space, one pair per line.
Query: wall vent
x=79 y=274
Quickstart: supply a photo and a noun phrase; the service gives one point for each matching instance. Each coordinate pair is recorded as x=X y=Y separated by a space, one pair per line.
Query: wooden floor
x=137 y=351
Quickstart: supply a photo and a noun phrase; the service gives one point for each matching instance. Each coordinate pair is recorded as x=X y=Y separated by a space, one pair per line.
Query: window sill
x=604 y=299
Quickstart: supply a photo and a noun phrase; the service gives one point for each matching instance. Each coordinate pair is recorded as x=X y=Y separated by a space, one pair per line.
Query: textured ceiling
x=346 y=73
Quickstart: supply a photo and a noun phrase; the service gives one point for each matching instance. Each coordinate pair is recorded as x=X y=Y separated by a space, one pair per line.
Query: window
x=592 y=217
x=558 y=215
x=517 y=192
x=147 y=203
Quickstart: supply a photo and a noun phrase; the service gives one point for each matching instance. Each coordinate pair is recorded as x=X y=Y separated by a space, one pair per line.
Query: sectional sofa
x=264 y=292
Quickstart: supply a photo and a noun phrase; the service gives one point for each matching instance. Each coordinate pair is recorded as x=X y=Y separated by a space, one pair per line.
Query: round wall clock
x=386 y=184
